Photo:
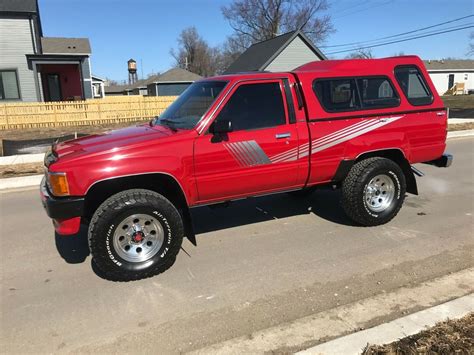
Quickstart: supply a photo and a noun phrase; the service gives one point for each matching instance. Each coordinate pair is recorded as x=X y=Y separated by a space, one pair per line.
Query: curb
x=22 y=159
x=459 y=134
x=395 y=330
x=22 y=181
x=314 y=329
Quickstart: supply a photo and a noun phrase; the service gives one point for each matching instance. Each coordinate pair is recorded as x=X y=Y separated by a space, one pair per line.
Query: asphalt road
x=258 y=263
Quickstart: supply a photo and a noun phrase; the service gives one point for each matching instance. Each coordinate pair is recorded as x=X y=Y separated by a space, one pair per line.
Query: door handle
x=282 y=135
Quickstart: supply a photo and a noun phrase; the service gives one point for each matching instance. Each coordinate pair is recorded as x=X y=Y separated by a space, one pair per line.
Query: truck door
x=258 y=155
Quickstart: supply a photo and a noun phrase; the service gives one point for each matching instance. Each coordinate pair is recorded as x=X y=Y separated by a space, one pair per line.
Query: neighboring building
x=37 y=68
x=446 y=73
x=171 y=83
x=98 y=85
x=282 y=53
x=139 y=88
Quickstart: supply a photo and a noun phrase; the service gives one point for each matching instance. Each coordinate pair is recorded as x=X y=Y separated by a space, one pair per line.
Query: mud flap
x=188 y=226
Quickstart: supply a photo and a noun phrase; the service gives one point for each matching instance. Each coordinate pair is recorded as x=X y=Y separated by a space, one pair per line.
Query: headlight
x=57 y=182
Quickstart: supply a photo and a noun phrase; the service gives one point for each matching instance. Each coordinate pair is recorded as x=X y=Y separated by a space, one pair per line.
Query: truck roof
x=338 y=67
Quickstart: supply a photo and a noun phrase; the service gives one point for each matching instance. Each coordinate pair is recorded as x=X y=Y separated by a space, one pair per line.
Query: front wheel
x=373 y=192
x=135 y=234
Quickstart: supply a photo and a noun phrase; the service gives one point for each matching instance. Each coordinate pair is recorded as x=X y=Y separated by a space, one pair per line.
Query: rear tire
x=135 y=234
x=373 y=192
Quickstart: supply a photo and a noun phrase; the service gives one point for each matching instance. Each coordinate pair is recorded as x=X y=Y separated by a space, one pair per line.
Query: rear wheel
x=135 y=234
x=373 y=192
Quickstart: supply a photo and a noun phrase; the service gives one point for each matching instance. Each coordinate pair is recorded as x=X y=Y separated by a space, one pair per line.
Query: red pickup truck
x=353 y=124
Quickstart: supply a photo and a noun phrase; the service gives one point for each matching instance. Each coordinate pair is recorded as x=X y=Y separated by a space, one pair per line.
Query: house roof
x=259 y=55
x=174 y=75
x=457 y=64
x=60 y=45
x=23 y=6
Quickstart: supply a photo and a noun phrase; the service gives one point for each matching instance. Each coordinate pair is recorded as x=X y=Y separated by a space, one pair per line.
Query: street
x=258 y=263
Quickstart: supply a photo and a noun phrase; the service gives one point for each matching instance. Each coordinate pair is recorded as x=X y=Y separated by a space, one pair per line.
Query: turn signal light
x=58 y=184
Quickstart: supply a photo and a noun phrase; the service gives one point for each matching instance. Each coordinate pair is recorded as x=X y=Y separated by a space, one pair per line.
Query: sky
x=146 y=30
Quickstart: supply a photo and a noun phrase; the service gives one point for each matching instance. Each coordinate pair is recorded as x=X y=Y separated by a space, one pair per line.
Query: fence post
x=55 y=115
x=6 y=116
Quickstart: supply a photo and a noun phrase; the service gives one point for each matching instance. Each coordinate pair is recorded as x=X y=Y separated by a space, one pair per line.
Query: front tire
x=373 y=192
x=135 y=234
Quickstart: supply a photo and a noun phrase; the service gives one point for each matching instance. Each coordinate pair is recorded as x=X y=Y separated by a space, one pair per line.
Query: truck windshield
x=189 y=107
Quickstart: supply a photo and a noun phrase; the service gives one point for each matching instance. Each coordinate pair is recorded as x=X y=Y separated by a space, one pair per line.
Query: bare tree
x=194 y=53
x=361 y=53
x=258 y=20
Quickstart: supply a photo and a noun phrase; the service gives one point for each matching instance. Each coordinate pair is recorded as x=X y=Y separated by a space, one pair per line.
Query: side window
x=413 y=85
x=254 y=106
x=9 y=85
x=377 y=92
x=337 y=95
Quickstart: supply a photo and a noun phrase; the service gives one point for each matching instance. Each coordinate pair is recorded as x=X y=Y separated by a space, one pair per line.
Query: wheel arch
x=395 y=154
x=162 y=183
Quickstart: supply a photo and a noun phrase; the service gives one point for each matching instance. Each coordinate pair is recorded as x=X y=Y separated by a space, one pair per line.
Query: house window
x=9 y=85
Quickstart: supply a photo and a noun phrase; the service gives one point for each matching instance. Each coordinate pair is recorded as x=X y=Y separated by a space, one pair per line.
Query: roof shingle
x=60 y=45
x=456 y=64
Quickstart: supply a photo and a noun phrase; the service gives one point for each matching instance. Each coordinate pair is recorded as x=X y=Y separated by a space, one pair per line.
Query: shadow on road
x=74 y=249
x=323 y=203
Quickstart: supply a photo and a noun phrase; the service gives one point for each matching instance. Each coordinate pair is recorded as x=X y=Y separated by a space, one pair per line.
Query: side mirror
x=220 y=126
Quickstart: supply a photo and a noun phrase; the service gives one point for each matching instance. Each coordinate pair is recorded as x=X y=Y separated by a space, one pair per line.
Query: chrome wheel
x=138 y=238
x=379 y=193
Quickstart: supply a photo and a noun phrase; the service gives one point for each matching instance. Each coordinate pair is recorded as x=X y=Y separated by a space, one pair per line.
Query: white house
x=446 y=73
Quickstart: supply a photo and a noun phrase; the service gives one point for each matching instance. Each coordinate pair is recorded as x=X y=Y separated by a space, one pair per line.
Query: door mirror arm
x=221 y=126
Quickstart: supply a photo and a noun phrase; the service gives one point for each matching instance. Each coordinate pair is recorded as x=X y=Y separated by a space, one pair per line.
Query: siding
x=441 y=79
x=87 y=78
x=15 y=43
x=295 y=54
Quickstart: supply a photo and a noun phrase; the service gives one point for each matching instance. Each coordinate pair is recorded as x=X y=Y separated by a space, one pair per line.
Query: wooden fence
x=114 y=109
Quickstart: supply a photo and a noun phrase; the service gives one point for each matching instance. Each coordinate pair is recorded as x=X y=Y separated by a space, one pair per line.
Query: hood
x=115 y=139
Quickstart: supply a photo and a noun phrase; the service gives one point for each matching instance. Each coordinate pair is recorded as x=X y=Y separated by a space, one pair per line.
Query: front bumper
x=443 y=161
x=66 y=212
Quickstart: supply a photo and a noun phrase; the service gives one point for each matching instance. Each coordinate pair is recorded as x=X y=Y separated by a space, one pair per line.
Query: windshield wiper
x=168 y=123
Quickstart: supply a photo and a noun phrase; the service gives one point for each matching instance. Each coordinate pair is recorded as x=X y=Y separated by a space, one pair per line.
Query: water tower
x=132 y=71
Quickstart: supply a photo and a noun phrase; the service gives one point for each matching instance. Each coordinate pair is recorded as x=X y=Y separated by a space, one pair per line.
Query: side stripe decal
x=249 y=153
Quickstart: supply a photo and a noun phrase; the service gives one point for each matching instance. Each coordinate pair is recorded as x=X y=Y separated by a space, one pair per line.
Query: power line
x=364 y=9
x=401 y=40
x=397 y=35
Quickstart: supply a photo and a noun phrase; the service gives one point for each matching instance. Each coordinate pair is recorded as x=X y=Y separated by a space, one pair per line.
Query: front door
x=54 y=87
x=260 y=153
x=450 y=81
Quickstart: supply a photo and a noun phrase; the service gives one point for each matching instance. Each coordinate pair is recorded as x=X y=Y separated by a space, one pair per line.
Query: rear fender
x=396 y=155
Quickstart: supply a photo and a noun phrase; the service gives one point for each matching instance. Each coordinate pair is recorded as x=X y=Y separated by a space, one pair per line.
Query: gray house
x=171 y=83
x=37 y=68
x=282 y=53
